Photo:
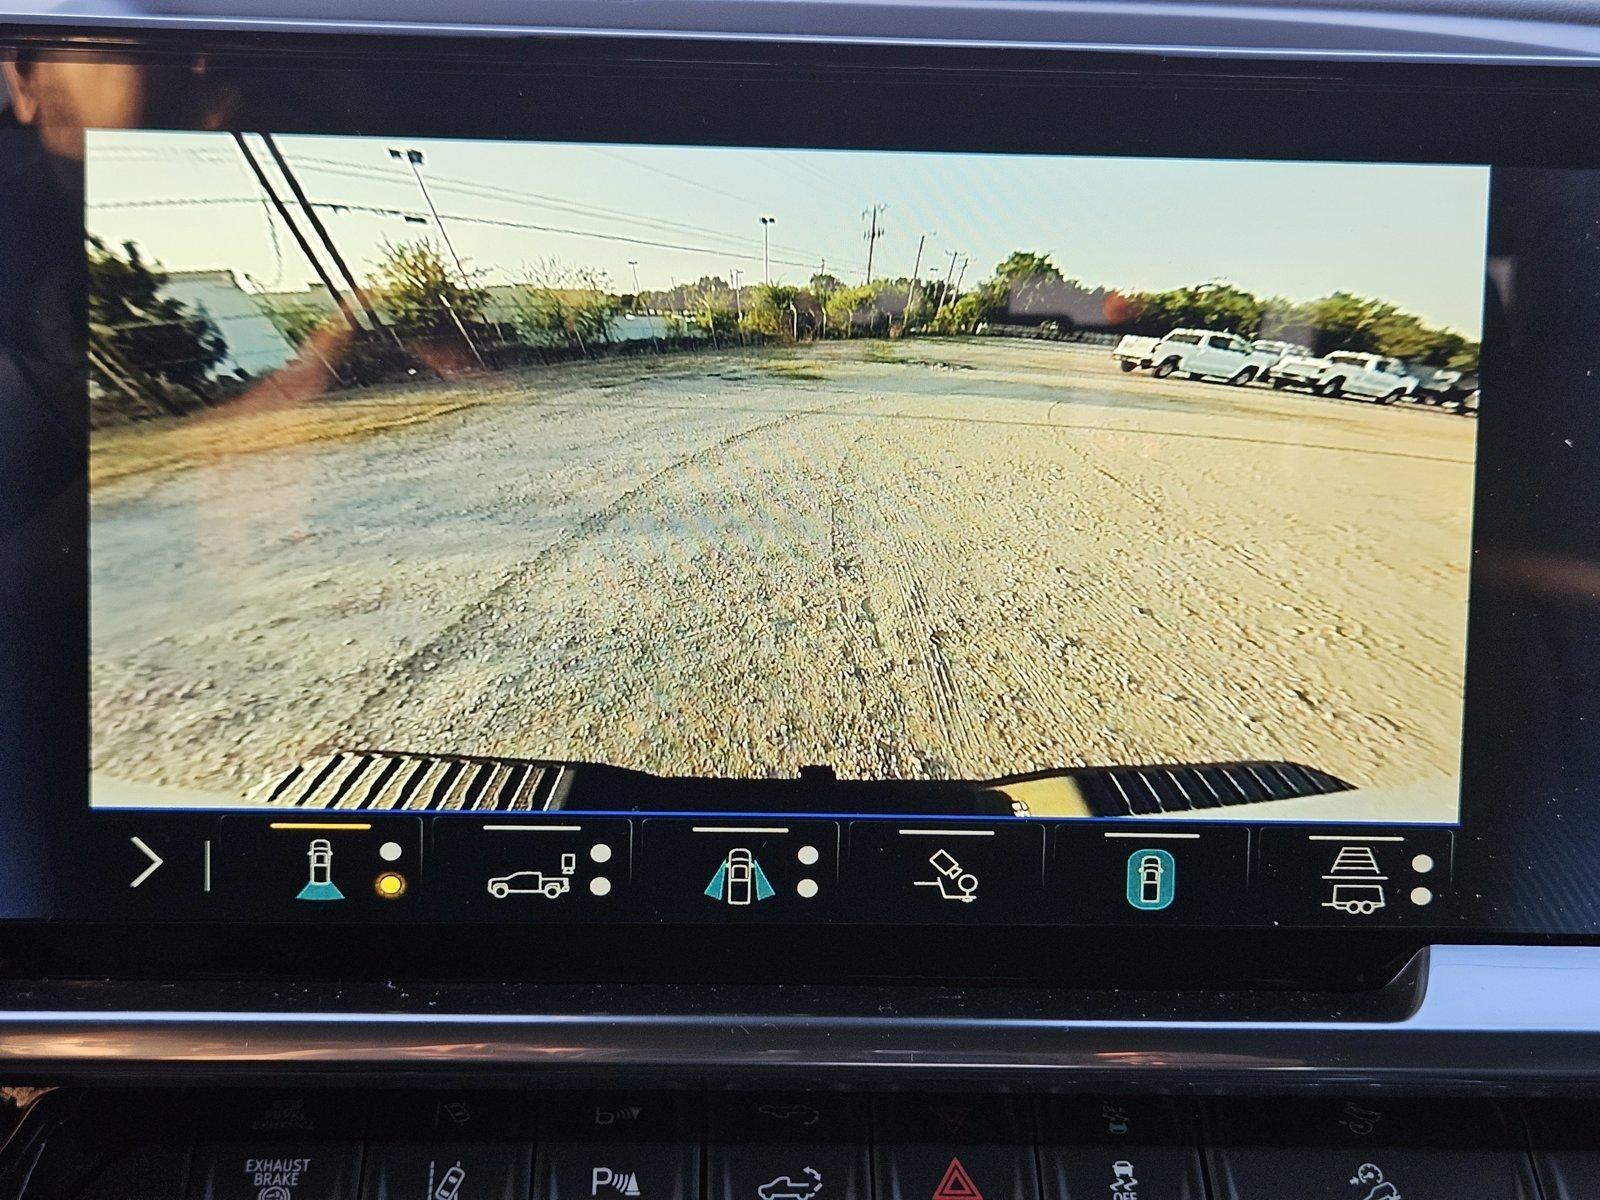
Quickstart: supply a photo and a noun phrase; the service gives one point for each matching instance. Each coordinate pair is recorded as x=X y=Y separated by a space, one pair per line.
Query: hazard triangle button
x=956 y=1184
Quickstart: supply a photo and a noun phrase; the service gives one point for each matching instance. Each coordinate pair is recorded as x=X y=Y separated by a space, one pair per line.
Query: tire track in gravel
x=867 y=660
x=965 y=665
x=460 y=635
x=907 y=559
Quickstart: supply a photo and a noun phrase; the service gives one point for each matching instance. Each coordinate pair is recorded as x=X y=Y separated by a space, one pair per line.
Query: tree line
x=151 y=347
x=1028 y=289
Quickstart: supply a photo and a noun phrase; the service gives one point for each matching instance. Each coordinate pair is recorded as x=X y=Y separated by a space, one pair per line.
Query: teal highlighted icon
x=739 y=880
x=1152 y=879
x=320 y=885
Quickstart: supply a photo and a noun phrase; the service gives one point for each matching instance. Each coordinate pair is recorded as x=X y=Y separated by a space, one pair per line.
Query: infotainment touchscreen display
x=730 y=462
x=510 y=526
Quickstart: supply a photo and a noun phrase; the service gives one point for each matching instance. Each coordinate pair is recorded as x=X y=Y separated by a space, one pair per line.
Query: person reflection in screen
x=47 y=105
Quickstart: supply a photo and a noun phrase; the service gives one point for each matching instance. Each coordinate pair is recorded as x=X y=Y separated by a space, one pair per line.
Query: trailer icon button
x=1367 y=876
x=1356 y=882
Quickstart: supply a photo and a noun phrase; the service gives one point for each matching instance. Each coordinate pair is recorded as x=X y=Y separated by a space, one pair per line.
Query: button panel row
x=319 y=1146
x=551 y=867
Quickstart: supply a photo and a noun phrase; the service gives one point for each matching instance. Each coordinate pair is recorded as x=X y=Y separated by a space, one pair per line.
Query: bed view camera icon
x=1152 y=880
x=536 y=883
x=739 y=880
x=953 y=882
x=319 y=881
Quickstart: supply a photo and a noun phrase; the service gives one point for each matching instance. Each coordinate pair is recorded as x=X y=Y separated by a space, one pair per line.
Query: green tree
x=1203 y=306
x=769 y=309
x=851 y=310
x=419 y=295
x=823 y=285
x=158 y=335
x=562 y=305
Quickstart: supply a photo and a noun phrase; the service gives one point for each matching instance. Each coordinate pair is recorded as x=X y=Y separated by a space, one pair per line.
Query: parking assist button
x=619 y=1147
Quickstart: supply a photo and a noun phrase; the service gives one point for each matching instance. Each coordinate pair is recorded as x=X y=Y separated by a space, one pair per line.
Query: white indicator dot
x=600 y=885
x=600 y=852
x=808 y=855
x=1421 y=896
x=807 y=888
x=389 y=851
x=1422 y=864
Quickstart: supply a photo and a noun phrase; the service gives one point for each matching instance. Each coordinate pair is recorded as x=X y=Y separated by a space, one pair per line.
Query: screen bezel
x=1523 y=869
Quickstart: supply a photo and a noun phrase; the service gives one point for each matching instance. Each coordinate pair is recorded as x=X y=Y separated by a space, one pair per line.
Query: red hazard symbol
x=956 y=1184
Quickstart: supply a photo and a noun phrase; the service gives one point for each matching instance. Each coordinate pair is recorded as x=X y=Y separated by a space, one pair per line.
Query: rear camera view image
x=453 y=475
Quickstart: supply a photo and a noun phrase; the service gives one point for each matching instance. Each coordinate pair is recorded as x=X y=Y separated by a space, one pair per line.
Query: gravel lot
x=920 y=559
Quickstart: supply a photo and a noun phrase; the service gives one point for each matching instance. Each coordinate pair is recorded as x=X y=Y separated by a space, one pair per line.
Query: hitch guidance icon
x=953 y=882
x=319 y=880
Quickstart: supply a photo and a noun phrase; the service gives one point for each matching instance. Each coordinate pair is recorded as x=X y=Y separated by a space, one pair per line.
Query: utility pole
x=633 y=263
x=964 y=261
x=321 y=230
x=822 y=301
x=766 y=256
x=872 y=235
x=738 y=307
x=911 y=292
x=300 y=238
x=949 y=278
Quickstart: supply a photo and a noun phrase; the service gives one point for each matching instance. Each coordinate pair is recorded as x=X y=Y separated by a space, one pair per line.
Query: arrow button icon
x=155 y=862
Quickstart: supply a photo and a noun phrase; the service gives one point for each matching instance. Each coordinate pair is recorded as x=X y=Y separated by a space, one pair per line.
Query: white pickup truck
x=1278 y=351
x=1348 y=373
x=1198 y=353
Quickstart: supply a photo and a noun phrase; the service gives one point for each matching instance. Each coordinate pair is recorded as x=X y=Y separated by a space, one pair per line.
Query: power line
x=692 y=182
x=485 y=191
x=421 y=217
x=416 y=216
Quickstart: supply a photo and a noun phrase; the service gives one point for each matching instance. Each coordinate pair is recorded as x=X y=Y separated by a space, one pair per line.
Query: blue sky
x=1411 y=234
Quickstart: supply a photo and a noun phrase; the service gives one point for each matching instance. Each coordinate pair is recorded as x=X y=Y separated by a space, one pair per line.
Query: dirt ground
x=918 y=559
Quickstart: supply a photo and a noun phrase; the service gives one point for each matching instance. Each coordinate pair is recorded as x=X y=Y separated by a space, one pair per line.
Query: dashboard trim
x=1487 y=1017
x=1503 y=33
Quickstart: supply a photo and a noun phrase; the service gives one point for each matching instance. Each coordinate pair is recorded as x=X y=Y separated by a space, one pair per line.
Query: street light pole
x=415 y=159
x=766 y=256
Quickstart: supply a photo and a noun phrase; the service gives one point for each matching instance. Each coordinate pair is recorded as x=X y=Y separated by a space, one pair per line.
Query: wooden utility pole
x=911 y=292
x=873 y=234
x=321 y=230
x=949 y=278
x=299 y=237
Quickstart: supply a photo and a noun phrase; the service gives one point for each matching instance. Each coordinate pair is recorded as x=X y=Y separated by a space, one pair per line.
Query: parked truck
x=1197 y=353
x=1277 y=352
x=1348 y=373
